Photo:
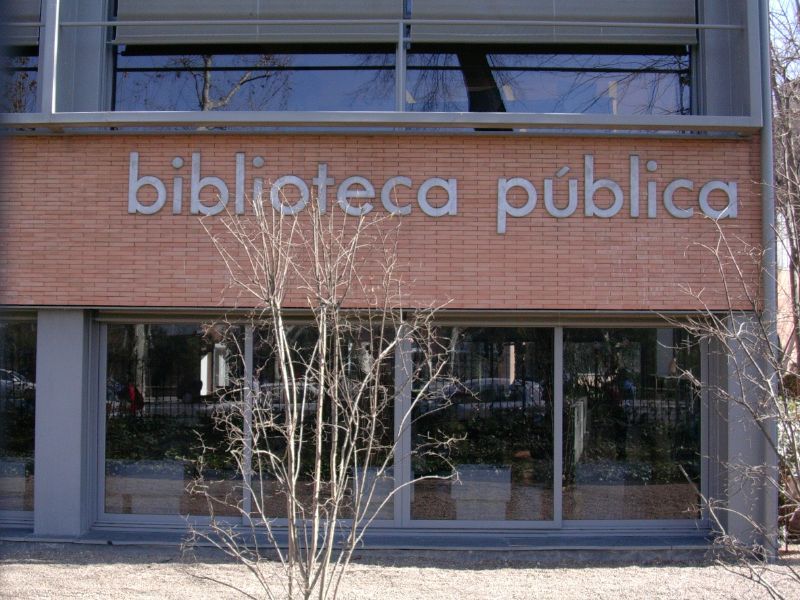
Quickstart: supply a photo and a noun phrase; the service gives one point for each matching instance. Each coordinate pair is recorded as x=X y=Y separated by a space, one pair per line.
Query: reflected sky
x=253 y=82
x=18 y=82
x=462 y=78
x=549 y=83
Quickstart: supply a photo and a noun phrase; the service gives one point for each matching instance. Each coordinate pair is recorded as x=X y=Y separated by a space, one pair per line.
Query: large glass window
x=358 y=348
x=254 y=79
x=167 y=387
x=479 y=79
x=631 y=424
x=17 y=412
x=172 y=392
x=462 y=78
x=496 y=401
x=18 y=79
x=631 y=421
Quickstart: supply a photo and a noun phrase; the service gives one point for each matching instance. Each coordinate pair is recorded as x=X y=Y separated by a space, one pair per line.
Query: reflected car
x=15 y=388
x=481 y=397
x=274 y=394
x=12 y=382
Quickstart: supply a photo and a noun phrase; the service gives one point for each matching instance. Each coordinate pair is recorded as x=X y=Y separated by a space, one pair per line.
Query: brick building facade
x=556 y=175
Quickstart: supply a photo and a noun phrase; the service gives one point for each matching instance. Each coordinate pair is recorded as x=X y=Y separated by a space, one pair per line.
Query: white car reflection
x=15 y=387
x=12 y=381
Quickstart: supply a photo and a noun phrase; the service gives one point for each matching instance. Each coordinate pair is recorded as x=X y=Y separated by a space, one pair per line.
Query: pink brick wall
x=66 y=237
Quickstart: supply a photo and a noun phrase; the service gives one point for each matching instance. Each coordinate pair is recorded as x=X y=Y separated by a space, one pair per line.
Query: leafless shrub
x=313 y=428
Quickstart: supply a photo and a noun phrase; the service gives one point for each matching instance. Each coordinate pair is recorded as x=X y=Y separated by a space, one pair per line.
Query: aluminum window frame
x=251 y=51
x=401 y=522
x=553 y=524
x=703 y=523
x=103 y=518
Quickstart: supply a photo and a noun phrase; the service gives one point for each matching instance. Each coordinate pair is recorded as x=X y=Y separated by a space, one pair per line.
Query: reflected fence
x=164 y=401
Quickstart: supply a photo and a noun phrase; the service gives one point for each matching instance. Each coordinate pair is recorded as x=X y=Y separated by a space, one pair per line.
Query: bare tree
x=758 y=399
x=205 y=82
x=313 y=429
x=785 y=69
x=18 y=84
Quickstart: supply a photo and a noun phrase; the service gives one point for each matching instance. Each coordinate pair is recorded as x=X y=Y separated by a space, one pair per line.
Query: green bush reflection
x=631 y=424
x=166 y=388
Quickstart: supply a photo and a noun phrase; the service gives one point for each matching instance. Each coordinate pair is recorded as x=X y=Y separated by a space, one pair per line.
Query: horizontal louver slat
x=672 y=12
x=19 y=11
x=161 y=10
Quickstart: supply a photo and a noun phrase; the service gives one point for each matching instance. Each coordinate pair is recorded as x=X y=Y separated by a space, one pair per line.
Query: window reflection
x=357 y=347
x=631 y=424
x=18 y=80
x=480 y=79
x=497 y=399
x=17 y=411
x=247 y=79
x=166 y=387
x=473 y=78
x=631 y=420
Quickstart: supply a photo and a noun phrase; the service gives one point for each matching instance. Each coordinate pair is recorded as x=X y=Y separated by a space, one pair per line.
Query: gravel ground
x=79 y=571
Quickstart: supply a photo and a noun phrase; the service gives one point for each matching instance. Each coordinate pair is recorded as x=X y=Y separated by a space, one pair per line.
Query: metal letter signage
x=603 y=197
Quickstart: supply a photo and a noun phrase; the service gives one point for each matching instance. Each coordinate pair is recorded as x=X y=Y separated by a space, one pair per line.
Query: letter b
x=198 y=184
x=591 y=209
x=135 y=183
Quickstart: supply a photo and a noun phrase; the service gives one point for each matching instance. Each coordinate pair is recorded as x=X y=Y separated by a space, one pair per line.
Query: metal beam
x=372 y=119
x=455 y=22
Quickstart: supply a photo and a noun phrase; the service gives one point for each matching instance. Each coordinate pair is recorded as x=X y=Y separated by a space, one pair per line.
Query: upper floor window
x=454 y=77
x=19 y=79
x=254 y=79
x=644 y=81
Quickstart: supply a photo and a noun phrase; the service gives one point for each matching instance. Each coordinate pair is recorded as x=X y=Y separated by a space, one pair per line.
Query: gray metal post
x=249 y=384
x=400 y=68
x=403 y=370
x=62 y=502
x=769 y=266
x=750 y=462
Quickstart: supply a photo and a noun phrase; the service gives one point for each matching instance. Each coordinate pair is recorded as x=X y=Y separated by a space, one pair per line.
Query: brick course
x=67 y=239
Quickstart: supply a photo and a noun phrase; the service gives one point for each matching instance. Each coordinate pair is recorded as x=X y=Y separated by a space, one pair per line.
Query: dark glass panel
x=17 y=412
x=479 y=79
x=359 y=347
x=496 y=399
x=19 y=77
x=631 y=424
x=254 y=80
x=167 y=388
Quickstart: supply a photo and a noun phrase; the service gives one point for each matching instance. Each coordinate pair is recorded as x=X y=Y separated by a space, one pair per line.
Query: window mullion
x=49 y=56
x=558 y=423
x=400 y=68
x=247 y=455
